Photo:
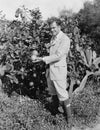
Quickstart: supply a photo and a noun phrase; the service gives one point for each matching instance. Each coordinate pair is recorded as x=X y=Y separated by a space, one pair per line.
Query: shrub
x=20 y=39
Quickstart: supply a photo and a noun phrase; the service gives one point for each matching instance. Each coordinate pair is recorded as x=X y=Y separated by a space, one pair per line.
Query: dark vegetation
x=23 y=83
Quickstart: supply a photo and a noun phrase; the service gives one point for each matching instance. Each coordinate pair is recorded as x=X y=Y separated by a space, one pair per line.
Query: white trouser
x=58 y=87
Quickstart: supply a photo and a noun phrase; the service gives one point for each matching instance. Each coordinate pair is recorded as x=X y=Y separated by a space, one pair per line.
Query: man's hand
x=36 y=59
x=40 y=58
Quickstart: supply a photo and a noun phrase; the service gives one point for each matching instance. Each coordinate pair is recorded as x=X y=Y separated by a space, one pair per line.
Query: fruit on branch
x=34 y=75
x=78 y=82
x=31 y=83
x=34 y=54
x=33 y=57
x=22 y=69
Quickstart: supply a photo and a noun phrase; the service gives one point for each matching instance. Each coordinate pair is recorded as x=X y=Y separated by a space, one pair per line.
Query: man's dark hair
x=54 y=19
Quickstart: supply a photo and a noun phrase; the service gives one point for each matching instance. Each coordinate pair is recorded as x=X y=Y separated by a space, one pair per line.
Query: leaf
x=0 y=83
x=83 y=83
x=13 y=79
x=2 y=70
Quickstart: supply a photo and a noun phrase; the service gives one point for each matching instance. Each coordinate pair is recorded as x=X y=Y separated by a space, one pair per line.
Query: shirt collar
x=57 y=36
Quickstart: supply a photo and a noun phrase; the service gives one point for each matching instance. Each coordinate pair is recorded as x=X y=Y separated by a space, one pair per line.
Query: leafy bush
x=19 y=40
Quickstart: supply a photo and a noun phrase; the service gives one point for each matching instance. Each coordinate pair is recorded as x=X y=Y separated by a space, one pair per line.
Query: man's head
x=55 y=26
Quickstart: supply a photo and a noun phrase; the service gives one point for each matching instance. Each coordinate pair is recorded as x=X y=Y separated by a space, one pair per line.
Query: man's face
x=55 y=29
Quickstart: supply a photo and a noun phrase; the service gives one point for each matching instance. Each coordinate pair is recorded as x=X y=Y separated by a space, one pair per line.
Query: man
x=56 y=77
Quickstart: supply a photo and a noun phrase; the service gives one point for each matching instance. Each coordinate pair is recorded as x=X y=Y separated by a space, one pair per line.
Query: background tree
x=89 y=22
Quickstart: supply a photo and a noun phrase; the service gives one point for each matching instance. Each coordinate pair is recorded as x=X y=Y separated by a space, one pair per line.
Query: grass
x=86 y=105
x=23 y=113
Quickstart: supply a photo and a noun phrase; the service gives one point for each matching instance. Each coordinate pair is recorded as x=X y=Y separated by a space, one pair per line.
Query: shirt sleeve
x=60 y=52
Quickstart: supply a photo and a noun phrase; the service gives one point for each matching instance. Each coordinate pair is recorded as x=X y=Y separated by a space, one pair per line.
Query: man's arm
x=61 y=51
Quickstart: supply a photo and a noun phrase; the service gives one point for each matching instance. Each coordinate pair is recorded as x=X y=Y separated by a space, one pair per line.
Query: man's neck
x=54 y=36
